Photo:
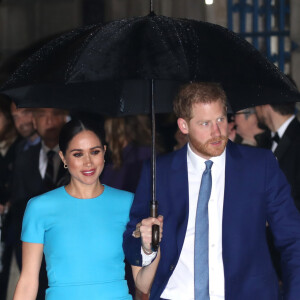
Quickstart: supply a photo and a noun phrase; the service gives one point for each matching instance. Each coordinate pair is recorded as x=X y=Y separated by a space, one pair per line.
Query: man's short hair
x=287 y=108
x=36 y=110
x=284 y=108
x=197 y=92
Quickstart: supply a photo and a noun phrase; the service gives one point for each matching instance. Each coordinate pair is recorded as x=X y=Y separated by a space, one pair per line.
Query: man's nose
x=215 y=130
x=49 y=119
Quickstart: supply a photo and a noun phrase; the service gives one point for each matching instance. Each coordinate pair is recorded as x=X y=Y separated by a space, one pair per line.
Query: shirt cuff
x=147 y=259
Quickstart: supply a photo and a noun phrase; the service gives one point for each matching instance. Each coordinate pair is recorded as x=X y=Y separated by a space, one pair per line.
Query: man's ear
x=183 y=125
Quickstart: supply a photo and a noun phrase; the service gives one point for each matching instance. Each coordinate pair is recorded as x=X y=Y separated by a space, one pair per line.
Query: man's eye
x=77 y=154
x=221 y=119
x=204 y=123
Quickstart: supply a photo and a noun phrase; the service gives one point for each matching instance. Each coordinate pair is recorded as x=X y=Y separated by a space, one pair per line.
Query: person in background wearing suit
x=285 y=132
x=23 y=120
x=215 y=197
x=38 y=170
x=8 y=145
x=23 y=124
x=248 y=130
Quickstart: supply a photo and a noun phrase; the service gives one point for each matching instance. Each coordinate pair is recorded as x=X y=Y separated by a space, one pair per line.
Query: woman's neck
x=84 y=191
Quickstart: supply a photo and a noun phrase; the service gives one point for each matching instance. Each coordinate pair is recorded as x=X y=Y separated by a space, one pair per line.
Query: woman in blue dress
x=79 y=227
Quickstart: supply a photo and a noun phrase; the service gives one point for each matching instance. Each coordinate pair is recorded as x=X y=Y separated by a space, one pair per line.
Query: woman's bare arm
x=28 y=283
x=144 y=276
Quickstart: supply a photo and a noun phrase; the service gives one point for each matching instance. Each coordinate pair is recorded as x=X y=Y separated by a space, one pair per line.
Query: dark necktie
x=201 y=272
x=49 y=175
x=276 y=138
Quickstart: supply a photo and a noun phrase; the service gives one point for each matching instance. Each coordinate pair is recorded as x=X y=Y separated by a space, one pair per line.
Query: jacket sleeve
x=284 y=221
x=140 y=210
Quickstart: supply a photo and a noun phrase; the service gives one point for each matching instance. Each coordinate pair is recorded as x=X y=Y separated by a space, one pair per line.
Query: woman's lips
x=89 y=172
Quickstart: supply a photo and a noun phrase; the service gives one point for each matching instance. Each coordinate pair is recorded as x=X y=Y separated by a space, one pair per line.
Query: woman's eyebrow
x=73 y=150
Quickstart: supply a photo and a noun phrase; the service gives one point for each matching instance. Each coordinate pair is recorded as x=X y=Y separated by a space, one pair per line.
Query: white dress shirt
x=281 y=130
x=181 y=283
x=43 y=160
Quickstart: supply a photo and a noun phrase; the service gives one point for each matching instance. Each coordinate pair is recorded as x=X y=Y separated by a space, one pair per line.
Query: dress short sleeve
x=33 y=227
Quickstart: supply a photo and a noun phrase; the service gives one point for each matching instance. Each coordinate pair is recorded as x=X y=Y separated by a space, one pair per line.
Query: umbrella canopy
x=110 y=68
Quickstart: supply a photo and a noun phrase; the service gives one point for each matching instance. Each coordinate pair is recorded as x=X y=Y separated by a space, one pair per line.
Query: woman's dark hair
x=75 y=126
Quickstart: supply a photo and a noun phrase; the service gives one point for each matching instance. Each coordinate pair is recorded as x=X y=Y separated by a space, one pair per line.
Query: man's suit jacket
x=256 y=191
x=6 y=168
x=288 y=155
x=27 y=181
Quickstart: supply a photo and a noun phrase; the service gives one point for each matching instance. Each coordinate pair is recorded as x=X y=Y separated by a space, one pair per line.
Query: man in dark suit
x=215 y=197
x=38 y=170
x=285 y=132
x=285 y=128
x=9 y=141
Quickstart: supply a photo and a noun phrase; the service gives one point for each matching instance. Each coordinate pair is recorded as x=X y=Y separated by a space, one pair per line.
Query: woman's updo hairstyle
x=75 y=126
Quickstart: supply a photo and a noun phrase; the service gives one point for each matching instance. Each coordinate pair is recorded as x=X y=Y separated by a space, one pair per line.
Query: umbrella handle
x=155 y=237
x=155 y=227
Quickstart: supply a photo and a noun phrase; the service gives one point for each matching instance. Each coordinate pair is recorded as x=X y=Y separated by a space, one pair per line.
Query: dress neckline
x=93 y=198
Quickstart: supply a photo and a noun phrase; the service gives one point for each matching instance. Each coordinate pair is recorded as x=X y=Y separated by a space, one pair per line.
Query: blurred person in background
x=285 y=132
x=23 y=119
x=38 y=170
x=231 y=126
x=248 y=130
x=8 y=144
x=129 y=145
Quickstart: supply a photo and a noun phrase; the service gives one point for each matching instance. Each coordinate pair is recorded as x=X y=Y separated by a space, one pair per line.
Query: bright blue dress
x=82 y=243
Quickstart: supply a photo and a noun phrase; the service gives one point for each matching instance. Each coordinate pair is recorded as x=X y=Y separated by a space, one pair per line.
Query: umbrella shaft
x=153 y=158
x=151 y=6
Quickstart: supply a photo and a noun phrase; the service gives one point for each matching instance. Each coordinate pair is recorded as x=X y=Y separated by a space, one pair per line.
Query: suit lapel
x=232 y=197
x=178 y=185
x=34 y=177
x=283 y=145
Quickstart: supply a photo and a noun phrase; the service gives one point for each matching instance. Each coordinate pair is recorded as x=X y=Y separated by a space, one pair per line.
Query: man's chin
x=216 y=150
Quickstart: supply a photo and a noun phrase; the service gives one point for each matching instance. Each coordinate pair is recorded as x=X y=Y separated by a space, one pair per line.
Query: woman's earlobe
x=62 y=157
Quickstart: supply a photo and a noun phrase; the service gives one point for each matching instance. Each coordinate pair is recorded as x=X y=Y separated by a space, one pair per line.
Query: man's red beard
x=207 y=149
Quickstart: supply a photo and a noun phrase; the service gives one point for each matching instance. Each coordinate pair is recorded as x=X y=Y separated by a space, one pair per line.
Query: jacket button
x=137 y=262
x=171 y=267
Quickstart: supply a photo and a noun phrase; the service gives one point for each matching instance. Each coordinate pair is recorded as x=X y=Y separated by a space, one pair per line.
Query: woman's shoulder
x=46 y=199
x=118 y=194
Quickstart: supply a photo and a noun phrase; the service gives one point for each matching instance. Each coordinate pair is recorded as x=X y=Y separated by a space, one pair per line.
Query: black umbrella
x=110 y=68
x=118 y=68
